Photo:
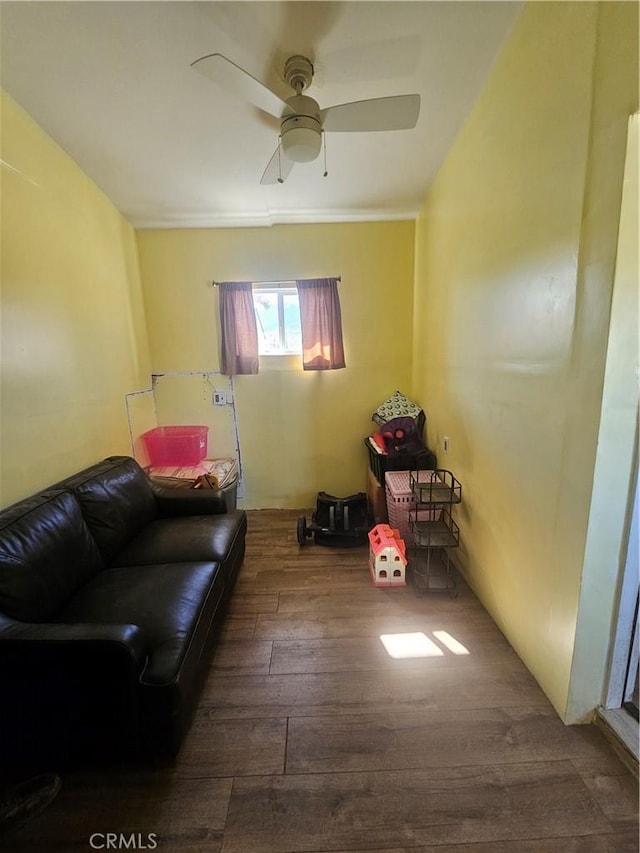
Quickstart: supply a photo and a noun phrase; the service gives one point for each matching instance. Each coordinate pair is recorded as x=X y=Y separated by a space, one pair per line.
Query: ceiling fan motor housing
x=298 y=72
x=301 y=131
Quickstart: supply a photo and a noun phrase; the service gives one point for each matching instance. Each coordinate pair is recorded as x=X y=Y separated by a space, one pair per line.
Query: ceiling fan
x=302 y=122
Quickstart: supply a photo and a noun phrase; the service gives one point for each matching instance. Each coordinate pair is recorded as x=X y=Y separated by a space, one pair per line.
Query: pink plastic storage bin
x=176 y=445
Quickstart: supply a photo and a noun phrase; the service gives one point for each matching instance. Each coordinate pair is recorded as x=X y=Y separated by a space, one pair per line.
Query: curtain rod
x=277 y=281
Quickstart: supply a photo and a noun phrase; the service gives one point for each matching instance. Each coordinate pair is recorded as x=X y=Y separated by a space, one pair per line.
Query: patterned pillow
x=397 y=406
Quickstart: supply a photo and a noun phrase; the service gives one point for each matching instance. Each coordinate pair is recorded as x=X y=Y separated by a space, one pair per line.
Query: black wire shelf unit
x=434 y=531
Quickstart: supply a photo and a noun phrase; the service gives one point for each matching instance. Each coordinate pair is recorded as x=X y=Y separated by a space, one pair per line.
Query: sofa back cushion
x=117 y=501
x=46 y=553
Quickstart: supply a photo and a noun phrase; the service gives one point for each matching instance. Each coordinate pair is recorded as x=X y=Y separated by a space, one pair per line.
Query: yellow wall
x=515 y=250
x=300 y=432
x=73 y=328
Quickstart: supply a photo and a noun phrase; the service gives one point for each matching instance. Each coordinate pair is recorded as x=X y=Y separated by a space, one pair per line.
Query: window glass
x=278 y=320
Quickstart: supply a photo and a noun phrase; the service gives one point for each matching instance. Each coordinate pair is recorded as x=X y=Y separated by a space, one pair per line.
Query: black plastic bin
x=380 y=463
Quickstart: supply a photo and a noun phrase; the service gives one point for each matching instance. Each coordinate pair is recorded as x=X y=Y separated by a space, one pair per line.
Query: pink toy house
x=387 y=556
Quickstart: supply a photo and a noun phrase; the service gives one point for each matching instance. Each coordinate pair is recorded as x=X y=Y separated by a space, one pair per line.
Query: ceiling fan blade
x=278 y=169
x=227 y=74
x=398 y=112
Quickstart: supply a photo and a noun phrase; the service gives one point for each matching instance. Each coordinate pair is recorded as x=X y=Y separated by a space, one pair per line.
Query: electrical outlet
x=445 y=444
x=219 y=398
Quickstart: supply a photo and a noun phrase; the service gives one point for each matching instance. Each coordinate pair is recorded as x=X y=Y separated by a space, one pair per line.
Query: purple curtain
x=239 y=334
x=321 y=323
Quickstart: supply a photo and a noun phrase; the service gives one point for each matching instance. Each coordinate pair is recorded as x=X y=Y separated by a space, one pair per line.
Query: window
x=278 y=320
x=301 y=317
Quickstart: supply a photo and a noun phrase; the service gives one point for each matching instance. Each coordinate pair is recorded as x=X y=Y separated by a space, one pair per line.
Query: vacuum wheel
x=302 y=530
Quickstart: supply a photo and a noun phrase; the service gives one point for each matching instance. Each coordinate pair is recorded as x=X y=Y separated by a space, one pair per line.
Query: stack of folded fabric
x=224 y=470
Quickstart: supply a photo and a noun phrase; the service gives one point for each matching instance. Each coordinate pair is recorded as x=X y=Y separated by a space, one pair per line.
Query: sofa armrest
x=171 y=501
x=69 y=692
x=125 y=641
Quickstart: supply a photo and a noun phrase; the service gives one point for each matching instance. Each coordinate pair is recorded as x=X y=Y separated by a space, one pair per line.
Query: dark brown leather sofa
x=112 y=590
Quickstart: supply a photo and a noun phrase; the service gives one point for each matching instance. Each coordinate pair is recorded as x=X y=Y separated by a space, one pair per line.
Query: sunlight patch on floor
x=418 y=645
x=451 y=643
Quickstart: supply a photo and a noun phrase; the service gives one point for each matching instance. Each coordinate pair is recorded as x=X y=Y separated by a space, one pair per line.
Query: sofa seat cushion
x=188 y=538
x=46 y=554
x=172 y=604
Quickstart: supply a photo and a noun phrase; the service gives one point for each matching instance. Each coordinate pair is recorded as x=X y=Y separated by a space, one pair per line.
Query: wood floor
x=310 y=738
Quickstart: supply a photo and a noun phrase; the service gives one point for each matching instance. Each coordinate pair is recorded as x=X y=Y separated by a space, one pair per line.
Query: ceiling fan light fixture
x=301 y=132
x=301 y=144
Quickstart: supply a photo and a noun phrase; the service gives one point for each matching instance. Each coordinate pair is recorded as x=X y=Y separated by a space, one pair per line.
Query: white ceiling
x=111 y=82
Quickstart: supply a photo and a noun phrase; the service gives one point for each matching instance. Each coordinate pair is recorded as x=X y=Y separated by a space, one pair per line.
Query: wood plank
x=186 y=815
x=352 y=811
x=311 y=577
x=369 y=599
x=242 y=657
x=360 y=653
x=610 y=843
x=613 y=787
x=413 y=740
x=239 y=627
x=358 y=692
x=250 y=603
x=470 y=629
x=233 y=748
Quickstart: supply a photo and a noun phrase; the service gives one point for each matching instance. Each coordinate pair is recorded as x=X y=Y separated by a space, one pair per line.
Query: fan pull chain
x=324 y=145
x=280 y=178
